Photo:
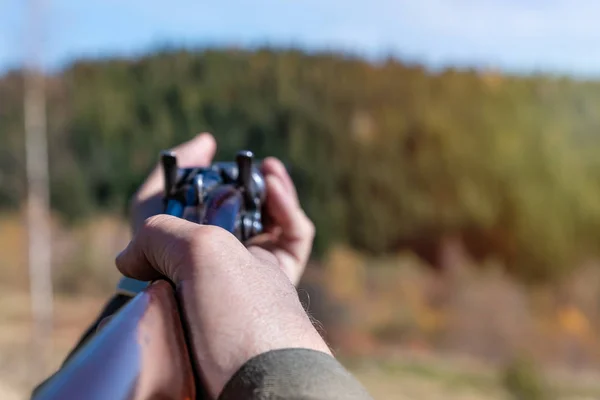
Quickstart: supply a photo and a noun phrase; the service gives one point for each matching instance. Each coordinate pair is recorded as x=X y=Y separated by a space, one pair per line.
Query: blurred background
x=447 y=152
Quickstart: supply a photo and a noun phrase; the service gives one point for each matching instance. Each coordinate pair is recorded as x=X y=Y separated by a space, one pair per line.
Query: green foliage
x=385 y=156
x=523 y=381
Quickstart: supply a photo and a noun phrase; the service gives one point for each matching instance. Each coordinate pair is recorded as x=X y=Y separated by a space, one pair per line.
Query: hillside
x=386 y=156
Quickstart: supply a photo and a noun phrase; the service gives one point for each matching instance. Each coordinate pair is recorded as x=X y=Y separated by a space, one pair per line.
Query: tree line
x=386 y=156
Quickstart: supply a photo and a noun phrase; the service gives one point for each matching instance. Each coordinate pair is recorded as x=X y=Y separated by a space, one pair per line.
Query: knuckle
x=156 y=221
x=205 y=236
x=215 y=246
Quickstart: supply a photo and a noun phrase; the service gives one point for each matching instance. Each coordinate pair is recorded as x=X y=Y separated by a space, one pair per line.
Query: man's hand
x=289 y=233
x=238 y=303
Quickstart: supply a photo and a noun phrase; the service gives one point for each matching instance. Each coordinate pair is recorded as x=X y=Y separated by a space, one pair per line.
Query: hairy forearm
x=250 y=310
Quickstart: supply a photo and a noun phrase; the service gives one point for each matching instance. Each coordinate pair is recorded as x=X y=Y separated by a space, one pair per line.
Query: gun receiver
x=226 y=194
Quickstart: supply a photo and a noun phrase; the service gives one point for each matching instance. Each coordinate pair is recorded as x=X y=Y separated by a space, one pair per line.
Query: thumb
x=197 y=152
x=158 y=249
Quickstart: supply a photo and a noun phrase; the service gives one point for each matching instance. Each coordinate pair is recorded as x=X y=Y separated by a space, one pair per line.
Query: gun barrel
x=141 y=353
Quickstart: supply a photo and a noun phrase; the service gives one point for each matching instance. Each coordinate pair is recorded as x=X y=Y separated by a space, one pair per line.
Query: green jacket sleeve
x=298 y=374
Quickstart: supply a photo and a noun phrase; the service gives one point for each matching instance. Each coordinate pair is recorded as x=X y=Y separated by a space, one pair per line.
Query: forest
x=386 y=156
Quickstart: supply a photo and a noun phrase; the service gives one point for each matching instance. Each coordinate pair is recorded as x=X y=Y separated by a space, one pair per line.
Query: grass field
x=398 y=375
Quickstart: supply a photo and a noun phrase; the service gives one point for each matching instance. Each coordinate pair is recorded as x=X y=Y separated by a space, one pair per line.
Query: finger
x=157 y=249
x=297 y=231
x=273 y=166
x=197 y=152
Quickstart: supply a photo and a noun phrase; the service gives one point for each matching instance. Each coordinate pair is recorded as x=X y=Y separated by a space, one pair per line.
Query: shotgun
x=142 y=352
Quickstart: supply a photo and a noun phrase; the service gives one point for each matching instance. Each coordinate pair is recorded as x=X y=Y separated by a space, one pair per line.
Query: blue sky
x=518 y=35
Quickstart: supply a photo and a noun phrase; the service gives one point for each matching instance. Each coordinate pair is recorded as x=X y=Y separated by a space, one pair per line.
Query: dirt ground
x=20 y=369
x=399 y=378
